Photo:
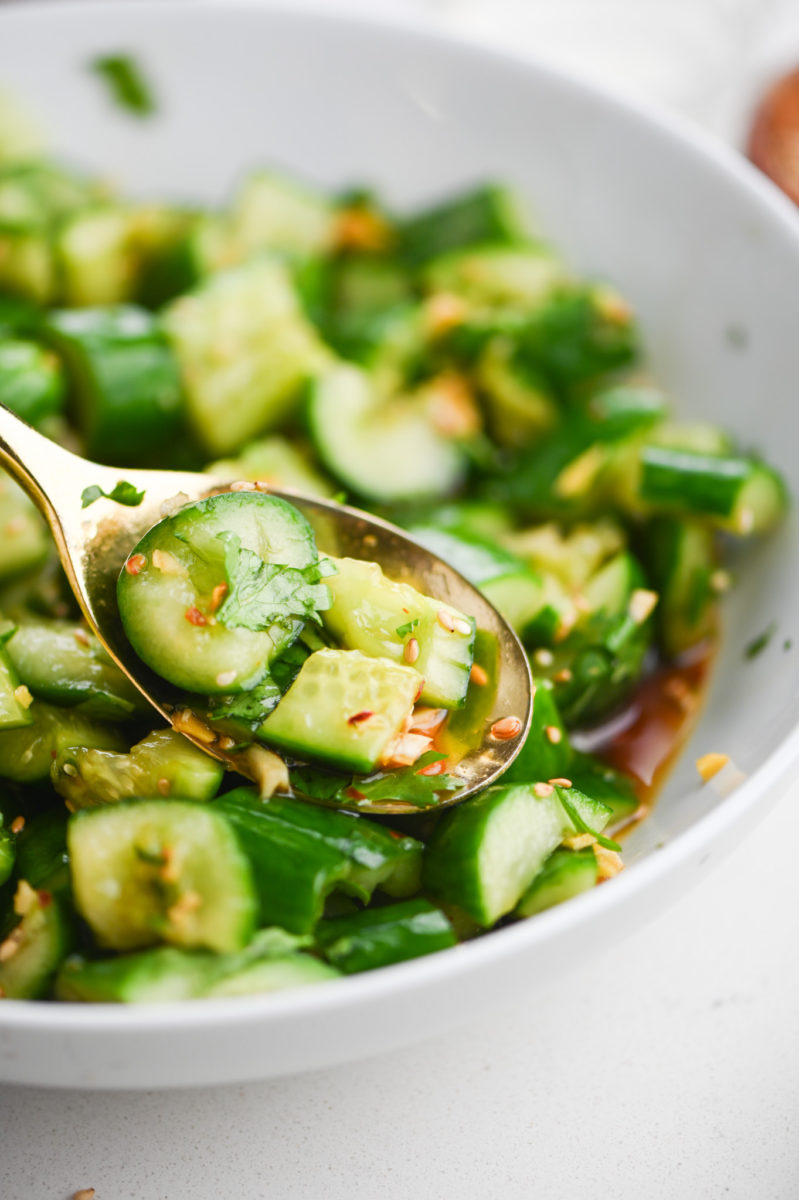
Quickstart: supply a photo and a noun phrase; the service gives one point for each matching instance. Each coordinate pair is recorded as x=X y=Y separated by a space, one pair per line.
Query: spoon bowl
x=93 y=543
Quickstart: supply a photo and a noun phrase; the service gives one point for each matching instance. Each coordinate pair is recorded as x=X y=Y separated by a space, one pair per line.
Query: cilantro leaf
x=251 y=708
x=122 y=493
x=570 y=808
x=126 y=83
x=404 y=784
x=262 y=594
x=409 y=626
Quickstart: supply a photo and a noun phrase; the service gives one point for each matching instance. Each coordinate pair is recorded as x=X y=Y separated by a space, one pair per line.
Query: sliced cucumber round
x=147 y=871
x=169 y=591
x=385 y=450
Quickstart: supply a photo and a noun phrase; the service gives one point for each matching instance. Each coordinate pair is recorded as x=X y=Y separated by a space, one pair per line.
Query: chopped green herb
x=758 y=644
x=262 y=594
x=123 y=493
x=579 y=824
x=254 y=706
x=404 y=784
x=787 y=644
x=126 y=84
x=409 y=626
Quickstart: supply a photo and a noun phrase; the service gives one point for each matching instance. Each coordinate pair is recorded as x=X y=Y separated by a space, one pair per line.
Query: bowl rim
x=762 y=786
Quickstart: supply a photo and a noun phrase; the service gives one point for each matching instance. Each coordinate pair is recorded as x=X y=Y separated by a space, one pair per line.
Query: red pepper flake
x=354 y=794
x=434 y=768
x=45 y=899
x=195 y=617
x=506 y=728
x=135 y=563
x=419 y=691
x=358 y=717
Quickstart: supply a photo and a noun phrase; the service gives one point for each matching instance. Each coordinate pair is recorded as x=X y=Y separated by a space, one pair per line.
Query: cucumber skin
x=293 y=871
x=8 y=853
x=565 y=874
x=378 y=857
x=47 y=939
x=384 y=936
x=26 y=754
x=13 y=715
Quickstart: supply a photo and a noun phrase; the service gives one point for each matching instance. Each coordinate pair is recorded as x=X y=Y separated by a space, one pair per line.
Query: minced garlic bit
x=225 y=678
x=444 y=311
x=641 y=605
x=579 y=841
x=609 y=862
x=542 y=790
x=164 y=787
x=554 y=734
x=183 y=907
x=405 y=750
x=25 y=898
x=242 y=485
x=184 y=721
x=22 y=696
x=426 y=720
x=11 y=945
x=167 y=564
x=710 y=764
x=266 y=769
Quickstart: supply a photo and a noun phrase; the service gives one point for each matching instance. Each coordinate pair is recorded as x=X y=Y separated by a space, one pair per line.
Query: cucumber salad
x=446 y=370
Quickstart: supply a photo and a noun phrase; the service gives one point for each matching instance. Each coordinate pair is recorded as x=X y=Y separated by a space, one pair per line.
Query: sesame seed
x=554 y=735
x=445 y=620
x=17 y=825
x=81 y=637
x=434 y=768
x=226 y=743
x=164 y=787
x=560 y=781
x=544 y=657
x=135 y=564
x=70 y=769
x=542 y=790
x=641 y=604
x=217 y=596
x=710 y=764
x=242 y=485
x=411 y=651
x=263 y=485
x=22 y=696
x=478 y=675
x=563 y=676
x=506 y=728
x=225 y=678
x=461 y=626
x=84 y=1194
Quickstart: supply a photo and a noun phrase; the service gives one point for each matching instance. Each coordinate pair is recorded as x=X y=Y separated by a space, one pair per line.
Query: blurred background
x=709 y=59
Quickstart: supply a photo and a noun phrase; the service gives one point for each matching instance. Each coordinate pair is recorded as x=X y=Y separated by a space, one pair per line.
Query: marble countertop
x=666 y=1068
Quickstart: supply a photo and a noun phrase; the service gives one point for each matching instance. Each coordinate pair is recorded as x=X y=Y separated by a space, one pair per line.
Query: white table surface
x=666 y=1069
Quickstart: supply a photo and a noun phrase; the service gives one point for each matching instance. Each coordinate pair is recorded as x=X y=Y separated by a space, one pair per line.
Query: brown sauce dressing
x=664 y=712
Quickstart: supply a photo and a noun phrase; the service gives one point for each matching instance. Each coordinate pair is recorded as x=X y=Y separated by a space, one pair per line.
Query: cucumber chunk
x=8 y=853
x=739 y=495
x=31 y=380
x=484 y=855
x=379 y=937
x=96 y=257
x=387 y=450
x=34 y=946
x=125 y=384
x=25 y=541
x=682 y=560
x=485 y=214
x=589 y=774
x=245 y=349
x=163 y=764
x=565 y=874
x=277 y=461
x=343 y=708
x=514 y=276
x=271 y=962
x=26 y=754
x=373 y=614
x=520 y=404
x=271 y=212
x=13 y=713
x=62 y=663
x=147 y=871
x=167 y=606
x=377 y=857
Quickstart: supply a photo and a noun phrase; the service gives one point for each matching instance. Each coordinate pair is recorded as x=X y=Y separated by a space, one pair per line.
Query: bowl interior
x=708 y=258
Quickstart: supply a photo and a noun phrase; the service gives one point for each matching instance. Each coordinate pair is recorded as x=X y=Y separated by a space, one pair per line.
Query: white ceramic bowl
x=706 y=250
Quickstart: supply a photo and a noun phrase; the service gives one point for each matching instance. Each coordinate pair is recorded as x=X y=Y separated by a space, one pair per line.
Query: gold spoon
x=93 y=543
